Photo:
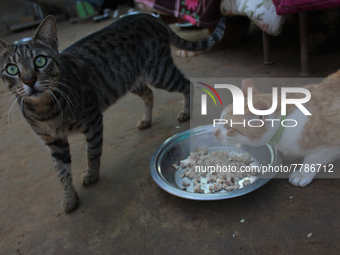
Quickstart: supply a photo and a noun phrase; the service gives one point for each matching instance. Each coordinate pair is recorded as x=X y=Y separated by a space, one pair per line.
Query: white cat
x=316 y=138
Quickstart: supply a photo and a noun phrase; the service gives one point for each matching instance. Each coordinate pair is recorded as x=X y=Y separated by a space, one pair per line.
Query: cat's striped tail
x=201 y=45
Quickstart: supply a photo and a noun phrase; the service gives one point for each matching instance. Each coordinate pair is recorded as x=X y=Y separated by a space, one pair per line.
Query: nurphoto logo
x=238 y=104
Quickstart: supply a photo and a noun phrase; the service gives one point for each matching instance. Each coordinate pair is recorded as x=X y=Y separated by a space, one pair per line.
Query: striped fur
x=235 y=31
x=72 y=90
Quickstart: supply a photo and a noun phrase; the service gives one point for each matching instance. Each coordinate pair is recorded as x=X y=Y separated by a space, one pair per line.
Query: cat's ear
x=246 y=84
x=260 y=105
x=4 y=47
x=47 y=32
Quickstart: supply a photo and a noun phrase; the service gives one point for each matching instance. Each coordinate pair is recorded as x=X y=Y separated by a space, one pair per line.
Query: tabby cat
x=61 y=93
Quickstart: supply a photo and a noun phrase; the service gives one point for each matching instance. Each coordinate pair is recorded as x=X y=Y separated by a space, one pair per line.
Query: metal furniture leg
x=266 y=49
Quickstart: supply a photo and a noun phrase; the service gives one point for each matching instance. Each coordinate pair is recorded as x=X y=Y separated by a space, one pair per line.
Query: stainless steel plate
x=178 y=147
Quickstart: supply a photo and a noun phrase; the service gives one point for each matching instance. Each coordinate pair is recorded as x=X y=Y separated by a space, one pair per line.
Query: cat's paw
x=142 y=124
x=297 y=179
x=69 y=203
x=186 y=53
x=183 y=116
x=89 y=178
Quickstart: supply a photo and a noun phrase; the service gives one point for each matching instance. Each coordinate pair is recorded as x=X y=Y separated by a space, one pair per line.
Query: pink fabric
x=204 y=13
x=287 y=7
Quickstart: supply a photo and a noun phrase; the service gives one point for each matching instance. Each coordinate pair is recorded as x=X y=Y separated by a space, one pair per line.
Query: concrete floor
x=125 y=212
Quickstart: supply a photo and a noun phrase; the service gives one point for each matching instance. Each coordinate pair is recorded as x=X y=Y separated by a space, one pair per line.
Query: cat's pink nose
x=30 y=82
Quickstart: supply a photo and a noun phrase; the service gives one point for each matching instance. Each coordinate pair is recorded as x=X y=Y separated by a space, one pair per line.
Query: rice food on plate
x=222 y=170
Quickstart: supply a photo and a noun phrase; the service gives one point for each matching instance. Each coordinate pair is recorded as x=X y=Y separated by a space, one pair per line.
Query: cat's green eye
x=12 y=69
x=40 y=61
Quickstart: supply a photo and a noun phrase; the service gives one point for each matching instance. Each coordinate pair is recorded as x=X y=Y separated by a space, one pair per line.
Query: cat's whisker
x=50 y=83
x=59 y=106
x=22 y=108
x=25 y=110
x=68 y=81
x=7 y=99
x=62 y=93
x=227 y=145
x=58 y=103
x=9 y=111
x=70 y=89
x=21 y=92
x=67 y=99
x=7 y=93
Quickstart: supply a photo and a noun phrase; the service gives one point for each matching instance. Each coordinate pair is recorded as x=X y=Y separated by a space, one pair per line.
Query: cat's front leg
x=302 y=177
x=306 y=173
x=188 y=101
x=94 y=137
x=185 y=113
x=60 y=151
